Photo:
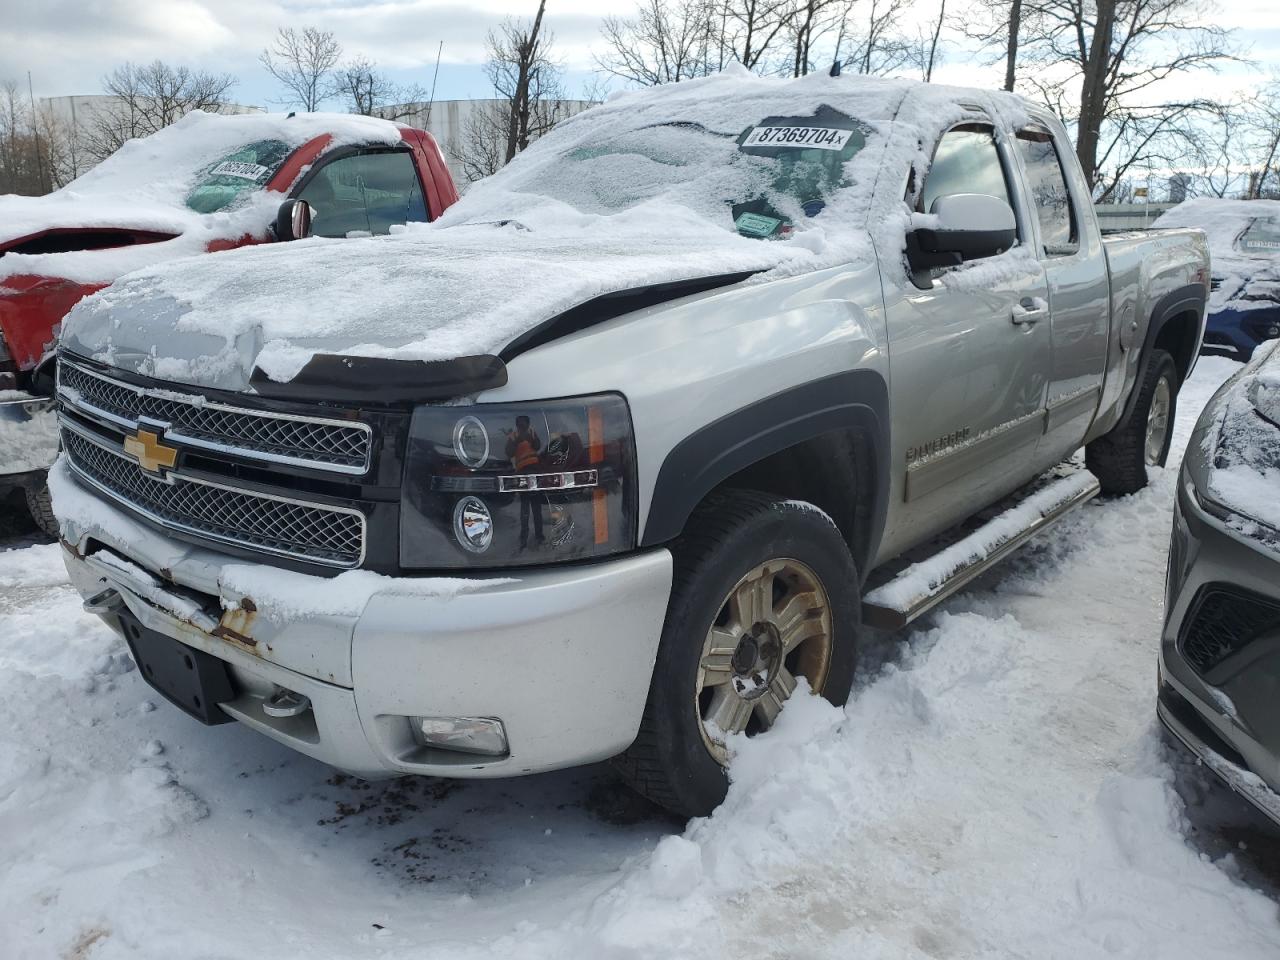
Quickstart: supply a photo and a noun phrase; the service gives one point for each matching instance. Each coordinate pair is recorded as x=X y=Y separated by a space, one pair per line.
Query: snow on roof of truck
x=145 y=186
x=656 y=185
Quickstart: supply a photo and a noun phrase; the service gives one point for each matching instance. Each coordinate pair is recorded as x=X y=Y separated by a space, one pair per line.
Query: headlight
x=493 y=485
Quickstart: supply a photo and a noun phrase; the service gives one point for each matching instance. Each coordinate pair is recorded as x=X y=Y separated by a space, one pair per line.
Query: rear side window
x=1049 y=192
x=966 y=161
x=364 y=194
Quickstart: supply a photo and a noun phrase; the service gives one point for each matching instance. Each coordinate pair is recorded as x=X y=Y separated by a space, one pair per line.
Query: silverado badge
x=151 y=454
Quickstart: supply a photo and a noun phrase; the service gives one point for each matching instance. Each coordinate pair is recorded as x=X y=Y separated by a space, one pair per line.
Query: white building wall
x=446 y=120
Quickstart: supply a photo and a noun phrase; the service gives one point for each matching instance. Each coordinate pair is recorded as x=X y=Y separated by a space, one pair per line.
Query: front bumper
x=1226 y=711
x=562 y=657
x=28 y=433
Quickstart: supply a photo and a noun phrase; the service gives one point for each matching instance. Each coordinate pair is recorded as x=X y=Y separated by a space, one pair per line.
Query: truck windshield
x=222 y=184
x=1262 y=237
x=766 y=179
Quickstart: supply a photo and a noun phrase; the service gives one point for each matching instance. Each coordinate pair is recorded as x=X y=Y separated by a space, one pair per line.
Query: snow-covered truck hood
x=1244 y=279
x=666 y=184
x=144 y=187
x=426 y=295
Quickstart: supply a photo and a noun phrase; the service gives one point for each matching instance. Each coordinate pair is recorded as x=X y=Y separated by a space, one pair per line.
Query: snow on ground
x=997 y=788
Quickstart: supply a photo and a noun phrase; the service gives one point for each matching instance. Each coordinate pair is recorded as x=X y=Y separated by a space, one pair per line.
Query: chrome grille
x=325 y=444
x=306 y=531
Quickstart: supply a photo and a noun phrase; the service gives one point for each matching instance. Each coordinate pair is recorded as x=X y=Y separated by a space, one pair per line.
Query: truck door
x=969 y=355
x=1079 y=293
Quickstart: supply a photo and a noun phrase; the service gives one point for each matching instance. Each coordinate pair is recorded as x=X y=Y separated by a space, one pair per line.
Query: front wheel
x=765 y=593
x=1120 y=458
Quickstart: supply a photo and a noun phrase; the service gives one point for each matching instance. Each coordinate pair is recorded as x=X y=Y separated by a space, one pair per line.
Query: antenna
x=35 y=129
x=434 y=76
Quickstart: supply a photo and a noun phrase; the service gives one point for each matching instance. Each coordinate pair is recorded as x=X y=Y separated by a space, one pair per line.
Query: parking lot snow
x=996 y=788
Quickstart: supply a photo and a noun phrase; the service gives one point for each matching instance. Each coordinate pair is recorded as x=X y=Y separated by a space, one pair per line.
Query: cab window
x=966 y=161
x=1049 y=194
x=367 y=193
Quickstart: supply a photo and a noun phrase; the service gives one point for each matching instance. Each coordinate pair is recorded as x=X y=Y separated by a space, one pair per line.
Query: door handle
x=1029 y=310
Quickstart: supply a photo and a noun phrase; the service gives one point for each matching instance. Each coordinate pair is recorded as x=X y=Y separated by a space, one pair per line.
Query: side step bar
x=922 y=586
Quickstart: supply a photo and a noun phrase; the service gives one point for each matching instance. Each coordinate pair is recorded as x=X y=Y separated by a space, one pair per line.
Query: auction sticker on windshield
x=238 y=168
x=820 y=138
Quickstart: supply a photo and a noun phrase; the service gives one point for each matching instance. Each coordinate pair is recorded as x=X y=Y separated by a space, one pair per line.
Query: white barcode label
x=238 y=168
x=821 y=138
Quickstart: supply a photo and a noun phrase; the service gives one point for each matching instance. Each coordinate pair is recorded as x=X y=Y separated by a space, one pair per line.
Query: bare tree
x=1217 y=154
x=36 y=147
x=526 y=78
x=809 y=23
x=1116 y=53
x=930 y=55
x=665 y=42
x=302 y=63
x=483 y=148
x=750 y=30
x=371 y=92
x=148 y=98
x=530 y=98
x=997 y=26
x=872 y=34
x=1264 y=180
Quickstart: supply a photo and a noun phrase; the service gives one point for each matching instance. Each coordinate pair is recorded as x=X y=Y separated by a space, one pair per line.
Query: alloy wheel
x=774 y=626
x=1158 y=421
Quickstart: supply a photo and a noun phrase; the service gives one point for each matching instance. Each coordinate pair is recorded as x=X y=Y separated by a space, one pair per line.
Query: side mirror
x=293 y=220
x=969 y=226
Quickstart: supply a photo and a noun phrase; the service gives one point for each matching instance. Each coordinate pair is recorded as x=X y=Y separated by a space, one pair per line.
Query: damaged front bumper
x=562 y=658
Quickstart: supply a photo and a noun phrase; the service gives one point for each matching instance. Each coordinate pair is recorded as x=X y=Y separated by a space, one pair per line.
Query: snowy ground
x=997 y=788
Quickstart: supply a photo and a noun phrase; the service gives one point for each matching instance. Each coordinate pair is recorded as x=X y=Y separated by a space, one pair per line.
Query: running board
x=922 y=586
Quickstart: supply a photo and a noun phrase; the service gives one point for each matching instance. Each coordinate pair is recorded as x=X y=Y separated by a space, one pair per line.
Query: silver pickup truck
x=626 y=448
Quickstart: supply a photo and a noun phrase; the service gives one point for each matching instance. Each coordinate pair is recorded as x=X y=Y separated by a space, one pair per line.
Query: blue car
x=1244 y=244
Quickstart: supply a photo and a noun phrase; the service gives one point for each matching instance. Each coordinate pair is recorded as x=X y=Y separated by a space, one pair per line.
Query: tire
x=40 y=505
x=801 y=559
x=1119 y=459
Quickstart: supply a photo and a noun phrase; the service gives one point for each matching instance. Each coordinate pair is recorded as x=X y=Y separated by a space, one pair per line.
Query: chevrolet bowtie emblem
x=150 y=453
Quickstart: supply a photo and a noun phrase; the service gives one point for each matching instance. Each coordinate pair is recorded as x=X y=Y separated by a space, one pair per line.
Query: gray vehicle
x=639 y=434
x=1220 y=650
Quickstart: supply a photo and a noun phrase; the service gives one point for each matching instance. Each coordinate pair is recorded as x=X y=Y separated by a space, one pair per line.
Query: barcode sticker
x=821 y=138
x=238 y=168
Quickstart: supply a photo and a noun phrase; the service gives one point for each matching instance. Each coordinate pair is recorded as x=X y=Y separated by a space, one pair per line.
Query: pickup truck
x=204 y=184
x=628 y=447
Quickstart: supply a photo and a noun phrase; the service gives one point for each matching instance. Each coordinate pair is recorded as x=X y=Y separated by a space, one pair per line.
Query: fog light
x=1273 y=331
x=481 y=735
x=473 y=524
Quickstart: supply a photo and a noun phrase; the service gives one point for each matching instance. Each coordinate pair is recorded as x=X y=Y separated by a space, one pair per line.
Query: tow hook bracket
x=285 y=703
x=105 y=602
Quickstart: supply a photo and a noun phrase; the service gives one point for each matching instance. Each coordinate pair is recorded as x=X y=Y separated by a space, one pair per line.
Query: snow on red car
x=205 y=184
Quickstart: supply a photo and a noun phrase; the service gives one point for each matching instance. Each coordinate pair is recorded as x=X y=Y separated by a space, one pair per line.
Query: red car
x=205 y=184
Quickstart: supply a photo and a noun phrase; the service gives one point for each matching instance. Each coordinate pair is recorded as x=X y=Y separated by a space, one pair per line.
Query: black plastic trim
x=610 y=305
x=1190 y=717
x=1190 y=298
x=857 y=400
x=382 y=381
